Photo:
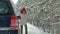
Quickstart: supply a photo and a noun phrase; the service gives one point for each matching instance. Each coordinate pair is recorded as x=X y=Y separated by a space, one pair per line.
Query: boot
x=26 y=30
x=21 y=29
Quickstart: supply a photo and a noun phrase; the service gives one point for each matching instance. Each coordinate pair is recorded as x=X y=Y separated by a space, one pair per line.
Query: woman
x=23 y=20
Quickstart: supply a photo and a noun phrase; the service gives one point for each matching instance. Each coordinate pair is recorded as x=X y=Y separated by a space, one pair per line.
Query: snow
x=14 y=1
x=34 y=30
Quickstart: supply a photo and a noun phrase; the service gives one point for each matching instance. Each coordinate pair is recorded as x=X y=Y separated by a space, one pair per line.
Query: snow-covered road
x=34 y=30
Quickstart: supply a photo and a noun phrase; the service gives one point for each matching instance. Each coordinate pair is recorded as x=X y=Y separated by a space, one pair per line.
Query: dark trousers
x=26 y=31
